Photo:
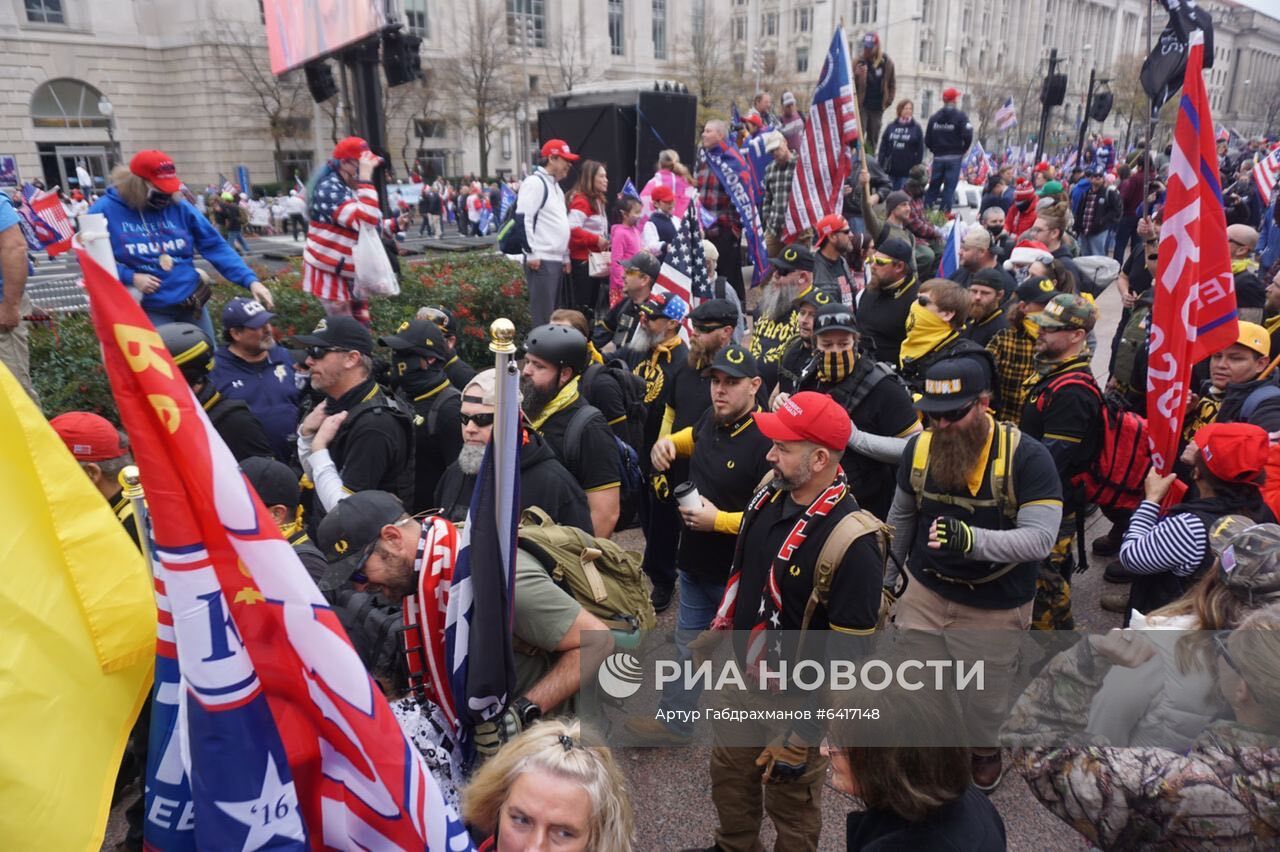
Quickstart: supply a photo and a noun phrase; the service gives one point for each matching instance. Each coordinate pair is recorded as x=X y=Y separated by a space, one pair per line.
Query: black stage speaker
x=1054 y=90
x=605 y=133
x=665 y=120
x=320 y=81
x=1101 y=106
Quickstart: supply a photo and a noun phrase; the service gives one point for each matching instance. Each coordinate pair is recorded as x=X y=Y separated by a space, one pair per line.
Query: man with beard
x=555 y=356
x=887 y=300
x=976 y=254
x=373 y=543
x=987 y=291
x=544 y=482
x=725 y=454
x=254 y=368
x=1064 y=411
x=232 y=419
x=660 y=367
x=622 y=322
x=1014 y=347
x=776 y=315
x=797 y=362
x=357 y=438
x=877 y=403
x=711 y=326
x=833 y=241
x=975 y=513
x=418 y=356
x=784 y=528
x=1242 y=240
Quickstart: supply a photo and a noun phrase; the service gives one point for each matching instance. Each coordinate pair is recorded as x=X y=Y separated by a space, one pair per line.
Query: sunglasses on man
x=881 y=260
x=481 y=420
x=954 y=415
x=315 y=353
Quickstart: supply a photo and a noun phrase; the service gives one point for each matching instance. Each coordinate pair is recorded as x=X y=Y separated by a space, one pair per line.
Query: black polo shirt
x=1034 y=479
x=882 y=316
x=795 y=358
x=460 y=373
x=122 y=506
x=435 y=449
x=618 y=326
x=603 y=392
x=855 y=590
x=595 y=463
x=659 y=376
x=983 y=330
x=690 y=394
x=372 y=451
x=727 y=464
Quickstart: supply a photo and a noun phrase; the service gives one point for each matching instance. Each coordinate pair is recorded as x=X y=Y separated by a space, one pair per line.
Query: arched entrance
x=66 y=112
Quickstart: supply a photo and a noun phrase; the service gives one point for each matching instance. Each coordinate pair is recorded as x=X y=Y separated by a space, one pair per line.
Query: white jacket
x=547 y=230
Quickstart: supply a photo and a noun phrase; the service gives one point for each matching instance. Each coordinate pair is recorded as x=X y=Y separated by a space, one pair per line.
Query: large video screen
x=301 y=30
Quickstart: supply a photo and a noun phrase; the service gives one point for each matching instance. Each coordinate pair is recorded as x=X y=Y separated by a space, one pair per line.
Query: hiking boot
x=660 y=597
x=1117 y=573
x=654 y=732
x=1117 y=601
x=988 y=771
x=1107 y=545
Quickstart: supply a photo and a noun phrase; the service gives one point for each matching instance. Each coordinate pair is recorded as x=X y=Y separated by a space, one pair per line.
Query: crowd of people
x=926 y=438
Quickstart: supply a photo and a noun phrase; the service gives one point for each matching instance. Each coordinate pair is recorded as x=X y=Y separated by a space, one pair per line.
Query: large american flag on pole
x=1007 y=115
x=684 y=267
x=832 y=127
x=1194 y=313
x=1265 y=175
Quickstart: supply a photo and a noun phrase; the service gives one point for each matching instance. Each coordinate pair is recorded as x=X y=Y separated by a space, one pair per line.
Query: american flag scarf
x=769 y=615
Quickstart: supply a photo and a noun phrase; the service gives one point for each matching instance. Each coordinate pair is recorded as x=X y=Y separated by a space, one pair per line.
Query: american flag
x=1265 y=175
x=47 y=218
x=684 y=268
x=1007 y=115
x=824 y=154
x=976 y=166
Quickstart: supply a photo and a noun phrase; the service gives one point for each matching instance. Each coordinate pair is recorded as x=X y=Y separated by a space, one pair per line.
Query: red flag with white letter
x=1194 y=314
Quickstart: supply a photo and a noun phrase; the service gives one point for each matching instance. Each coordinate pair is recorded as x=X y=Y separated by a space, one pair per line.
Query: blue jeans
x=698 y=601
x=944 y=175
x=237 y=236
x=1095 y=245
x=167 y=316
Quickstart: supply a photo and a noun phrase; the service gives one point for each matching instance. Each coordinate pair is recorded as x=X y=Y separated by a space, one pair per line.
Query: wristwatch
x=526 y=711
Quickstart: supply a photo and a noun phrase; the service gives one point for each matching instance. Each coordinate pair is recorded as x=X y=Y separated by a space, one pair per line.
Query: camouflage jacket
x=1223 y=793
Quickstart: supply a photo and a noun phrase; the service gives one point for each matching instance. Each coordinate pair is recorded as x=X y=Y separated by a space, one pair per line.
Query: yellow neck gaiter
x=1242 y=264
x=1031 y=327
x=663 y=350
x=594 y=354
x=925 y=332
x=562 y=400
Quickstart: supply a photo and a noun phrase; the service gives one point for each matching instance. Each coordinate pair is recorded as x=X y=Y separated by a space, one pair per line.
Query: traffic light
x=1054 y=90
x=320 y=81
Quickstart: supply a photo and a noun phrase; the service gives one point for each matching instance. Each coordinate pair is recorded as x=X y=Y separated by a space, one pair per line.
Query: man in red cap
x=102 y=451
x=947 y=136
x=784 y=529
x=540 y=202
x=344 y=198
x=661 y=229
x=833 y=241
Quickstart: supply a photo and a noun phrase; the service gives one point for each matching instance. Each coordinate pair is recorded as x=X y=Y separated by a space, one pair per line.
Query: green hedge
x=66 y=363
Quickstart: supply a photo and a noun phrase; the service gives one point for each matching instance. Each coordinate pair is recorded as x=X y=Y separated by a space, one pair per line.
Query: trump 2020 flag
x=832 y=127
x=1194 y=314
x=730 y=168
x=288 y=742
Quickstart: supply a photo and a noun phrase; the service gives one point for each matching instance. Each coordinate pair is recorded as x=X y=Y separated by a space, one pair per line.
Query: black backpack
x=512 y=238
x=615 y=370
x=629 y=473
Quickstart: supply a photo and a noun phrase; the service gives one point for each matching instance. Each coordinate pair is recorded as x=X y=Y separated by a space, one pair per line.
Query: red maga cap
x=662 y=193
x=350 y=148
x=157 y=168
x=1233 y=452
x=558 y=148
x=88 y=436
x=832 y=223
x=808 y=416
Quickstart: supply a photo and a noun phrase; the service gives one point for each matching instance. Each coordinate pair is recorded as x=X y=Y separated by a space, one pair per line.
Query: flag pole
x=502 y=334
x=1148 y=160
x=131 y=482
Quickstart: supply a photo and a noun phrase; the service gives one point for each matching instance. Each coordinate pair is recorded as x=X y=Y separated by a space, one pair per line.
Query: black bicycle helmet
x=190 y=349
x=559 y=345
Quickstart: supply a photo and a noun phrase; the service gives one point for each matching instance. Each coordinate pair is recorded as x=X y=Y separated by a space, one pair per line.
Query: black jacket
x=969 y=823
x=901 y=147
x=949 y=133
x=233 y=420
x=1106 y=210
x=437 y=432
x=374 y=447
x=544 y=483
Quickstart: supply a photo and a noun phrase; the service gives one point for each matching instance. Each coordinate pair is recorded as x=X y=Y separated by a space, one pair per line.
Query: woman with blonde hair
x=674 y=175
x=551 y=788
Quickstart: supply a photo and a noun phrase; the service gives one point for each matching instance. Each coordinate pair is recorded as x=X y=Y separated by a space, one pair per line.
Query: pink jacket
x=624 y=241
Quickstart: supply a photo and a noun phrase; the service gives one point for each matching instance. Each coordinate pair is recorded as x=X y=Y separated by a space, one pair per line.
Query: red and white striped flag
x=824 y=160
x=1265 y=175
x=49 y=208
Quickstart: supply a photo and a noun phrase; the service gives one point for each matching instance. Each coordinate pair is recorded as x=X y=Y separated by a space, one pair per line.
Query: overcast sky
x=1271 y=7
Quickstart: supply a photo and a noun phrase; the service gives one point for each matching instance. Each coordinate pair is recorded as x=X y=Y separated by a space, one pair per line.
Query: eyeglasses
x=1220 y=645
x=881 y=260
x=359 y=576
x=834 y=319
x=924 y=301
x=318 y=352
x=481 y=420
x=953 y=415
x=706 y=329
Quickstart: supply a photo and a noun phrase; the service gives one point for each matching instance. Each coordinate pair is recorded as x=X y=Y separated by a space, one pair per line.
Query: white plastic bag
x=374 y=275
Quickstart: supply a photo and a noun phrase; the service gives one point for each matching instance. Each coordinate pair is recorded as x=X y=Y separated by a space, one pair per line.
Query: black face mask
x=158 y=200
x=415 y=374
x=995 y=230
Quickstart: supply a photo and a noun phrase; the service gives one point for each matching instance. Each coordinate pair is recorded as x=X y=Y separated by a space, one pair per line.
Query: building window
x=739 y=64
x=864 y=11
x=506 y=144
x=45 y=12
x=659 y=29
x=66 y=103
x=740 y=28
x=802 y=60
x=293 y=164
x=926 y=102
x=616 y=46
x=428 y=128
x=526 y=22
x=802 y=19
x=926 y=11
x=769 y=24
x=415 y=17
x=699 y=18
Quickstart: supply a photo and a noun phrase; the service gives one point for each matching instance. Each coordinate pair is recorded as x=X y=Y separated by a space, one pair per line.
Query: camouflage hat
x=1250 y=564
x=1066 y=311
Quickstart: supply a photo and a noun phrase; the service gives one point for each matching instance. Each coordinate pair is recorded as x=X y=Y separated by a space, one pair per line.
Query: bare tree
x=986 y=96
x=709 y=73
x=243 y=71
x=570 y=63
x=1130 y=103
x=409 y=108
x=478 y=74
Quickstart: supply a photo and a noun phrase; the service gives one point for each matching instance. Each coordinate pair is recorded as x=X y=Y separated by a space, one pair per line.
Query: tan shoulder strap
x=847 y=530
x=920 y=465
x=534 y=516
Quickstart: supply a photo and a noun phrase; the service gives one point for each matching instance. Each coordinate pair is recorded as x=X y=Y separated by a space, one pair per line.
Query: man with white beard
x=253 y=367
x=544 y=482
x=777 y=315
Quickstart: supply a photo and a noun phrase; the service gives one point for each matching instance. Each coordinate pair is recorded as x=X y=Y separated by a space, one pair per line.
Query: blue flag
x=508 y=199
x=1269 y=239
x=730 y=168
x=629 y=188
x=950 y=260
x=735 y=118
x=758 y=159
x=486 y=219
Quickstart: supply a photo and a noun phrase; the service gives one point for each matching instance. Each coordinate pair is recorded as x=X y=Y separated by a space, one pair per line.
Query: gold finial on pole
x=502 y=336
x=130 y=481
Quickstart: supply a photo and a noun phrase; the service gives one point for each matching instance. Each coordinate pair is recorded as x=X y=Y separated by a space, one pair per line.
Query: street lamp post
x=108 y=109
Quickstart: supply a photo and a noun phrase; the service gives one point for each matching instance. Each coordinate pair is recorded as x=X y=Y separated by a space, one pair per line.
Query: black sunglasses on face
x=953 y=415
x=481 y=420
x=318 y=352
x=924 y=301
x=834 y=319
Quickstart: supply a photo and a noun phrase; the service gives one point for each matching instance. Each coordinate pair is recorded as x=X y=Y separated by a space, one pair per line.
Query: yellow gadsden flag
x=77 y=638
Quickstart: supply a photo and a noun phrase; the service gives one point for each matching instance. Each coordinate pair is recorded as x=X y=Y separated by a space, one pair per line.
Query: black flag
x=1163 y=70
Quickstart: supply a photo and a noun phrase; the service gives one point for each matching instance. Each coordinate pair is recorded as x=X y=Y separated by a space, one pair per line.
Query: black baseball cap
x=351 y=529
x=897 y=249
x=274 y=481
x=643 y=262
x=1036 y=290
x=344 y=333
x=715 y=313
x=421 y=336
x=993 y=278
x=952 y=383
x=734 y=360
x=441 y=316
x=813 y=295
x=834 y=317
x=794 y=256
